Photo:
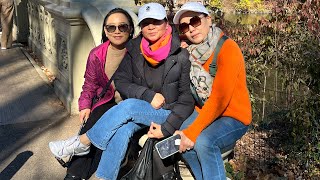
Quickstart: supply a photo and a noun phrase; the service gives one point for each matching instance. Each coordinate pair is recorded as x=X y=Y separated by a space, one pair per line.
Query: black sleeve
x=184 y=107
x=124 y=80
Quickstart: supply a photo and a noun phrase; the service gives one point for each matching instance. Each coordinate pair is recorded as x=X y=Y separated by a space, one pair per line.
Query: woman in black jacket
x=153 y=78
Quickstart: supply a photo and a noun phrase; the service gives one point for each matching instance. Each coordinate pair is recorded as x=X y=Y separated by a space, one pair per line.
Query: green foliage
x=250 y=5
x=258 y=5
x=233 y=174
x=216 y=4
x=243 y=5
x=284 y=51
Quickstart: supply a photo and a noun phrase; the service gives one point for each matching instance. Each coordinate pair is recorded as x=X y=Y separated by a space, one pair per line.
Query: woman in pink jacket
x=102 y=62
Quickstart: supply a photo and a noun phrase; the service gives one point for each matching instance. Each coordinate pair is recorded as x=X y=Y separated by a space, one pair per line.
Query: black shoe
x=72 y=177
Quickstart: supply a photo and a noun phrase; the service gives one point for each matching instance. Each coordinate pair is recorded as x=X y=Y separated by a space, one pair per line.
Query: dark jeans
x=85 y=166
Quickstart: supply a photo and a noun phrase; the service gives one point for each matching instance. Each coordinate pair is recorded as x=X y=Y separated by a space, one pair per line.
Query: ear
x=209 y=20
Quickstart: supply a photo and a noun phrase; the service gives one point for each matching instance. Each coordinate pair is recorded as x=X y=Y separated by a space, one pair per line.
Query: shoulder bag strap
x=213 y=65
x=104 y=90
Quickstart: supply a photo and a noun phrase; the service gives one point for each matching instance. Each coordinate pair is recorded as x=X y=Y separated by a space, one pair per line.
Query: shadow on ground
x=15 y=165
x=31 y=115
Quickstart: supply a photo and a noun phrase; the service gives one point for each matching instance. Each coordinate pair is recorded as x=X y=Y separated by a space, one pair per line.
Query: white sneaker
x=3 y=48
x=68 y=147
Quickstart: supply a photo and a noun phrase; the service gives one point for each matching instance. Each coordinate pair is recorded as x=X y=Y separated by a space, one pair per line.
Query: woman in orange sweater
x=223 y=111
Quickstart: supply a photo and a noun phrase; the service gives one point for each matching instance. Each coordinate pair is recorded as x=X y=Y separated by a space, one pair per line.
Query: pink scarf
x=159 y=51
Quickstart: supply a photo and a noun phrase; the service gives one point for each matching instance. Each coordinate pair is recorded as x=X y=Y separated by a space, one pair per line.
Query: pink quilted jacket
x=95 y=78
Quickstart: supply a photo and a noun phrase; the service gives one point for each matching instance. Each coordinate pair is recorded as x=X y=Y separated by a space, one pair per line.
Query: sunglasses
x=148 y=21
x=195 y=21
x=121 y=27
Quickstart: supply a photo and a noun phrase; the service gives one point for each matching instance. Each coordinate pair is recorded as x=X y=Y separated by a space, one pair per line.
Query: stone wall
x=62 y=33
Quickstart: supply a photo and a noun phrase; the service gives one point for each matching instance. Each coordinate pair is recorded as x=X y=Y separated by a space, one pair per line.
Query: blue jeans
x=205 y=158
x=114 y=129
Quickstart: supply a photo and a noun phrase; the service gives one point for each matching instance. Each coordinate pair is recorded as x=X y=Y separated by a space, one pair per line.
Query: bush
x=287 y=47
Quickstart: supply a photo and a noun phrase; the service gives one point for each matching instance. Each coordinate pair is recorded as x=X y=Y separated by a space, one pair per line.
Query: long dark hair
x=113 y=11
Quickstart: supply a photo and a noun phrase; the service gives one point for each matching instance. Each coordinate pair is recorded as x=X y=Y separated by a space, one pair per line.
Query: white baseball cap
x=189 y=6
x=151 y=10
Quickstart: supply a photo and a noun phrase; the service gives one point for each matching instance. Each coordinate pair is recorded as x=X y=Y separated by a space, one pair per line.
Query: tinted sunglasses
x=121 y=27
x=195 y=21
x=148 y=21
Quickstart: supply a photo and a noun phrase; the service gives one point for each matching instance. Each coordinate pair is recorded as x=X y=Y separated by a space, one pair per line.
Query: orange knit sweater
x=229 y=95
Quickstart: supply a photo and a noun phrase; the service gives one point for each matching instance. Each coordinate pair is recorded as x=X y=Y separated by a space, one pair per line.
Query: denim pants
x=205 y=158
x=114 y=129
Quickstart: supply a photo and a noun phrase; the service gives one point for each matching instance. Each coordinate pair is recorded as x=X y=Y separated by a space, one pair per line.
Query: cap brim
x=177 y=16
x=157 y=18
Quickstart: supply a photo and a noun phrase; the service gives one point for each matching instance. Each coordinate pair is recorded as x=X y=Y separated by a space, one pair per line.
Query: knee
x=204 y=144
x=129 y=104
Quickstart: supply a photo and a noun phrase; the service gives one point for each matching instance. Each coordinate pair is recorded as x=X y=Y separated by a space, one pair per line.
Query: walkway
x=31 y=115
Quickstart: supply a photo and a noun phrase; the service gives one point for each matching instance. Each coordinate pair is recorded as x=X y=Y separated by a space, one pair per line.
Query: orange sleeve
x=228 y=66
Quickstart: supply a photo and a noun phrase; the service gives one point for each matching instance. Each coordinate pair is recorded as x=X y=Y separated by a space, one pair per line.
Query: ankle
x=84 y=140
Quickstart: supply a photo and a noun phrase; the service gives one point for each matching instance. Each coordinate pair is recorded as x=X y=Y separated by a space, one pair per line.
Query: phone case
x=168 y=146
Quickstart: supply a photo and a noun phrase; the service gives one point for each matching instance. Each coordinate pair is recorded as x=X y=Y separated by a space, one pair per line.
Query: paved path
x=31 y=115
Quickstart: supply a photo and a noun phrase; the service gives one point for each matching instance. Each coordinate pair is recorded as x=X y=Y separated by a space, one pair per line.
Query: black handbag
x=149 y=165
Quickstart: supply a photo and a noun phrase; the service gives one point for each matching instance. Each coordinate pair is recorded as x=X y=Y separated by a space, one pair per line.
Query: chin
x=196 y=41
x=118 y=43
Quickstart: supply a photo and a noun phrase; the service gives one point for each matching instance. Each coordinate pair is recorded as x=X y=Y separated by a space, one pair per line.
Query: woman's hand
x=155 y=131
x=157 y=101
x=185 y=144
x=184 y=44
x=84 y=115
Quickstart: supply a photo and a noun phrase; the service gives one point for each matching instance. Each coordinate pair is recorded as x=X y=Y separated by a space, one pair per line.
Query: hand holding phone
x=168 y=146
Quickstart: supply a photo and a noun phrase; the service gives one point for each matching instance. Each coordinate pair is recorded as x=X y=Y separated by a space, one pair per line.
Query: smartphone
x=168 y=146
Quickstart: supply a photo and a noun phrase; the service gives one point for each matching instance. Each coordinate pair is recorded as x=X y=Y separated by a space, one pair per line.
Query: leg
x=130 y=110
x=191 y=156
x=6 y=23
x=220 y=134
x=115 y=152
x=85 y=166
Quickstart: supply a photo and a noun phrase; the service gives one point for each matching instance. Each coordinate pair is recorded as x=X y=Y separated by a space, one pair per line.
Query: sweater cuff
x=85 y=106
x=165 y=132
x=172 y=124
x=192 y=134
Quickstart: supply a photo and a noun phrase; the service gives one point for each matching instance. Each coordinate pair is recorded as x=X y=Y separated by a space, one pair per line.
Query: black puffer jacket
x=131 y=83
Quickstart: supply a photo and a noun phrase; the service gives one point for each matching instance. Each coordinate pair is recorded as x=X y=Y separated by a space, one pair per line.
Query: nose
x=117 y=30
x=151 y=26
x=191 y=28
